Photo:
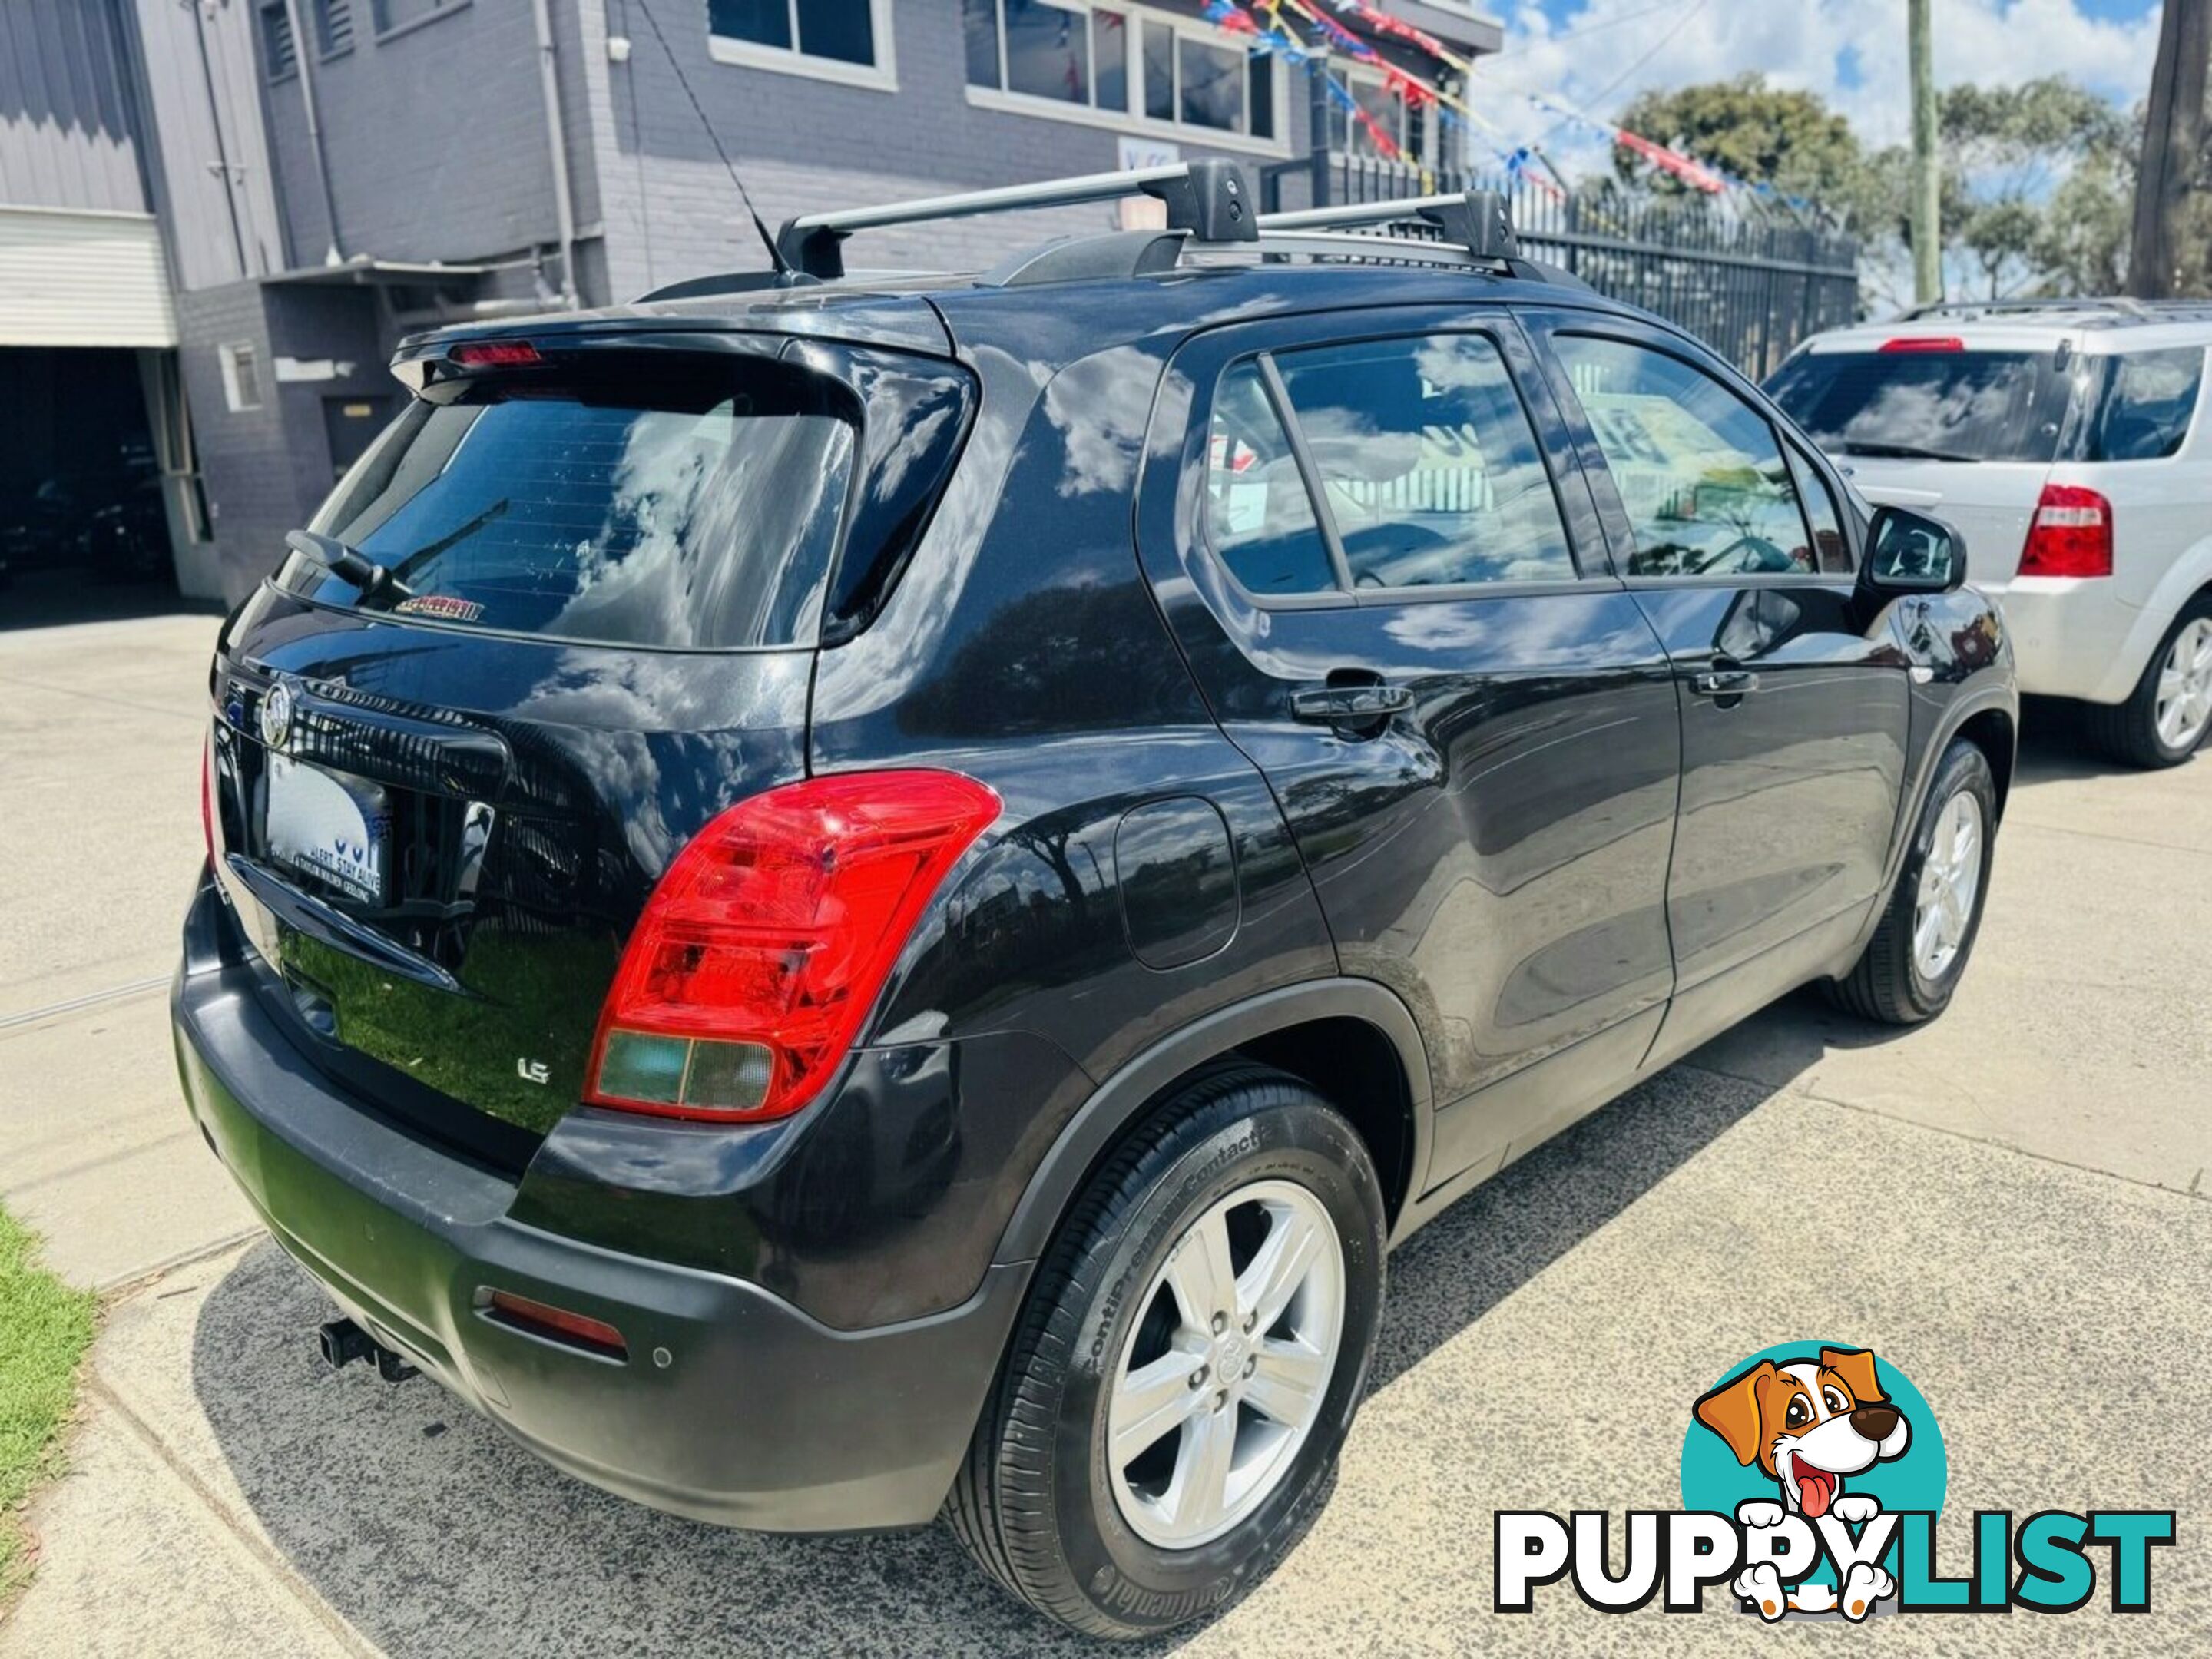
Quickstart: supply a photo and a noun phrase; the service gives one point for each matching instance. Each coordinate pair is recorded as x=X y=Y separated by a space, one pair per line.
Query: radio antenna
x=774 y=254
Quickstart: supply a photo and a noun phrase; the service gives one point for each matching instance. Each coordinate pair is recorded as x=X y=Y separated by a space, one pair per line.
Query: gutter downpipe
x=221 y=156
x=557 y=139
x=305 y=50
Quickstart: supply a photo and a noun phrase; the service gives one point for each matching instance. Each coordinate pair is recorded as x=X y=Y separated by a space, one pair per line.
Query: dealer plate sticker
x=336 y=829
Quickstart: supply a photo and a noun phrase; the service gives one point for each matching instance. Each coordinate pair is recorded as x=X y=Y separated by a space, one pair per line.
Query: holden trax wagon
x=841 y=900
x=2062 y=437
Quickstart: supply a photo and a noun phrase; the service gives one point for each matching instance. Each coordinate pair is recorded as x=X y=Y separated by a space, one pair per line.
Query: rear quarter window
x=2145 y=405
x=676 y=509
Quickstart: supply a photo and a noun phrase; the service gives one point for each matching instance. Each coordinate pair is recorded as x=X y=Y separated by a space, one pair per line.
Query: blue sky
x=1599 y=53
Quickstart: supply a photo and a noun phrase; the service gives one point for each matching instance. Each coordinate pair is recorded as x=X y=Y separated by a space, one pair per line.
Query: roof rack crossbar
x=1122 y=254
x=1209 y=199
x=1477 y=220
x=1397 y=250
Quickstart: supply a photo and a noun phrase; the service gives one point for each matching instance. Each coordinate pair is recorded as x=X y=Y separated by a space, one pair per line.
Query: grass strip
x=45 y=1328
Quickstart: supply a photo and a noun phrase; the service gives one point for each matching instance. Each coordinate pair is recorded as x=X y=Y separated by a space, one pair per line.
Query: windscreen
x=682 y=509
x=1927 y=404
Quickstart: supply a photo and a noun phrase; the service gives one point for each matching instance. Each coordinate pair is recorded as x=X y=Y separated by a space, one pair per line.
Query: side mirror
x=1909 y=552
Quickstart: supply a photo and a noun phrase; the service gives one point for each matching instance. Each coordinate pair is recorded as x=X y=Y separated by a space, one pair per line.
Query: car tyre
x=1921 y=946
x=2129 y=732
x=1036 y=1502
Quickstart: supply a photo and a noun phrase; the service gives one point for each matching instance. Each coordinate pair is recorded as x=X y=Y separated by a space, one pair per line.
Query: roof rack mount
x=1209 y=199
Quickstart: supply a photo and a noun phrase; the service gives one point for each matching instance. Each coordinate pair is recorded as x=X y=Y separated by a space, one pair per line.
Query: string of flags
x=1262 y=23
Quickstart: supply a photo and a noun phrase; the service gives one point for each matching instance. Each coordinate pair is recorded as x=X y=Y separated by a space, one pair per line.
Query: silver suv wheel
x=2183 y=709
x=1223 y=1375
x=1950 y=879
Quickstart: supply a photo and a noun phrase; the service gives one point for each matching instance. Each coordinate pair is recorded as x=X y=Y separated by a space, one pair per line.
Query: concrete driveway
x=2006 y=1204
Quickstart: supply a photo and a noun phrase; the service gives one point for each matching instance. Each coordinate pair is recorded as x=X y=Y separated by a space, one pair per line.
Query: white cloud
x=1816 y=43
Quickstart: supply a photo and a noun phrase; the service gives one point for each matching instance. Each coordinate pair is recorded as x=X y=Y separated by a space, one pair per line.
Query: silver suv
x=2063 y=438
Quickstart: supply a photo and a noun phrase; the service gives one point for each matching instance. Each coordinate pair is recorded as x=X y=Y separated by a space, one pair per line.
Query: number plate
x=335 y=829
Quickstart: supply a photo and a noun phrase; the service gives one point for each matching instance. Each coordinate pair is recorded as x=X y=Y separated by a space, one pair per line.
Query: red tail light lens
x=494 y=353
x=2071 y=534
x=764 y=946
x=543 y=1318
x=1924 y=343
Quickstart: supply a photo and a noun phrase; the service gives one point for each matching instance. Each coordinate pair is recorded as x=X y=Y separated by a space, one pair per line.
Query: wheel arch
x=1332 y=1034
x=1996 y=734
x=1988 y=716
x=2186 y=581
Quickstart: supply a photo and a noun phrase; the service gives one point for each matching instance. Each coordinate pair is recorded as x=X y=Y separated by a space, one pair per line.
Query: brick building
x=239 y=206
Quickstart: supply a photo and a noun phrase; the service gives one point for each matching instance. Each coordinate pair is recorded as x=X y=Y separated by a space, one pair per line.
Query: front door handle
x=1351 y=705
x=1725 y=683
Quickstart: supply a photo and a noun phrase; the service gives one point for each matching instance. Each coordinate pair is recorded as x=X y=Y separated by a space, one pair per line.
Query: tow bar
x=343 y=1342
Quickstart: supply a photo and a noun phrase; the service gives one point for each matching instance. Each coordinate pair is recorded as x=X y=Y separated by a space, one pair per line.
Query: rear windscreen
x=684 y=509
x=1927 y=405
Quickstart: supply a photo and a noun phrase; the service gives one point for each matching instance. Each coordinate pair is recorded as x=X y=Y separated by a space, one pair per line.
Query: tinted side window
x=1427 y=464
x=1258 y=516
x=2149 y=399
x=1707 y=491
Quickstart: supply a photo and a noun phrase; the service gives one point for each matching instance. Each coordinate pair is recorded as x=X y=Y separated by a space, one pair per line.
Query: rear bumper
x=732 y=1405
x=2072 y=637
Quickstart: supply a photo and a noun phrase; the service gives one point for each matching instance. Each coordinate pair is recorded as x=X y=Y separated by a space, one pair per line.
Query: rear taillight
x=761 y=950
x=2071 y=534
x=1924 y=343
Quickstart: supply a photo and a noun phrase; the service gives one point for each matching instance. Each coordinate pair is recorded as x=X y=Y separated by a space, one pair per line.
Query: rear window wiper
x=1897 y=452
x=349 y=565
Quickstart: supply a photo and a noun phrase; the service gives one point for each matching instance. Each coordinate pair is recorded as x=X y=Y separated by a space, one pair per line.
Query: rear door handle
x=1725 y=683
x=1348 y=705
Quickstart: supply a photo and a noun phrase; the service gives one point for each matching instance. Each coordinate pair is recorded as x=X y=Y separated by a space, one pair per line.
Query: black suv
x=839 y=899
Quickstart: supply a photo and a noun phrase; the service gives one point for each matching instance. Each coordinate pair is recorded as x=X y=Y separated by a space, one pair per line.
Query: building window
x=280 y=53
x=392 y=16
x=1187 y=74
x=1410 y=129
x=333 y=26
x=241 y=376
x=848 y=41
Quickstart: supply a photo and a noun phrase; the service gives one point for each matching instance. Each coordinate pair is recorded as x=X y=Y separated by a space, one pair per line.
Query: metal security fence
x=1750 y=287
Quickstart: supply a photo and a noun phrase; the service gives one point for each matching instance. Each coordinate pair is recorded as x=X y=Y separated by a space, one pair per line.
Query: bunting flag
x=1335 y=33
x=1227 y=15
x=1516 y=173
x=1274 y=37
x=1695 y=173
x=1383 y=23
x=1692 y=173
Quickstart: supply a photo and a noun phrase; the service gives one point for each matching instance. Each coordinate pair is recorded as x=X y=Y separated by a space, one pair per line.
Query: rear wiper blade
x=1899 y=452
x=348 y=563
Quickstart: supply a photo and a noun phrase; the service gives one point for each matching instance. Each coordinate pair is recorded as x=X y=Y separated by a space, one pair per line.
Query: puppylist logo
x=1812 y=1474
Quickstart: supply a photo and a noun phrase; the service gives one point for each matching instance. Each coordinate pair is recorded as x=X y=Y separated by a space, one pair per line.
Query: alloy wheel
x=1950 y=879
x=2183 y=708
x=1224 y=1376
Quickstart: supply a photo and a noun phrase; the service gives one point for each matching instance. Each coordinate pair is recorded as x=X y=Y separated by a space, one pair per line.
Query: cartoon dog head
x=1807 y=1423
